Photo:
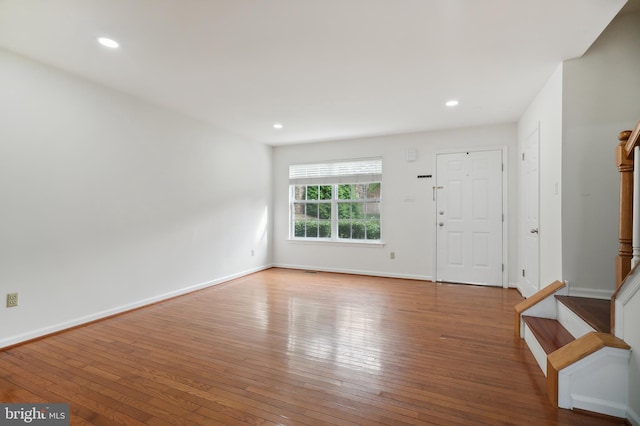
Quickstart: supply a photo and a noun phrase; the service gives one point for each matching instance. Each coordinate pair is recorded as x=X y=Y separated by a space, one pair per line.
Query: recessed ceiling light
x=278 y=126
x=107 y=42
x=452 y=103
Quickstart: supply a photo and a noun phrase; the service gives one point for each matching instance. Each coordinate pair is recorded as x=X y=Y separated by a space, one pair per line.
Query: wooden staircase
x=586 y=366
x=577 y=341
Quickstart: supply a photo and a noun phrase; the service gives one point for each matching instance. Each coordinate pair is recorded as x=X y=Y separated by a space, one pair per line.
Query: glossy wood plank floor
x=293 y=348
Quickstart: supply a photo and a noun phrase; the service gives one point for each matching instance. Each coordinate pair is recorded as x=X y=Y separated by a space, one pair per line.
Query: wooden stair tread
x=550 y=333
x=595 y=312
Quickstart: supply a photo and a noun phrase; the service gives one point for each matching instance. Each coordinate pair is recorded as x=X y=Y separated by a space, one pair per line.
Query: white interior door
x=469 y=217
x=531 y=196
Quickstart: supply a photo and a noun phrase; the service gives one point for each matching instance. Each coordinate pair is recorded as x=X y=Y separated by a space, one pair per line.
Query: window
x=312 y=211
x=338 y=201
x=359 y=211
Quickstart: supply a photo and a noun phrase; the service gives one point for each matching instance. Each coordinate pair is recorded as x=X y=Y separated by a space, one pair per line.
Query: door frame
x=505 y=199
x=523 y=288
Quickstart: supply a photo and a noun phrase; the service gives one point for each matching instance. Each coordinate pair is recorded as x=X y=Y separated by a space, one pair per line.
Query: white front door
x=469 y=217
x=531 y=195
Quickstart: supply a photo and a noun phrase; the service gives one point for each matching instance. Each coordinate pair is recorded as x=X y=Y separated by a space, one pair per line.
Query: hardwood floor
x=285 y=347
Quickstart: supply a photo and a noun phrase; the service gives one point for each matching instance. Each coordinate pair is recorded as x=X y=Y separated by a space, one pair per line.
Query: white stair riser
x=534 y=346
x=572 y=322
x=597 y=383
x=546 y=308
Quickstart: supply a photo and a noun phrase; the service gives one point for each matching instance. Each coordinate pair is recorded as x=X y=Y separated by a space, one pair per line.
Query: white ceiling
x=326 y=69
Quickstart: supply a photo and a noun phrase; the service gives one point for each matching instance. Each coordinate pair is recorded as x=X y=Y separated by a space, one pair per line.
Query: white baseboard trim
x=631 y=287
x=629 y=290
x=356 y=272
x=633 y=417
x=590 y=292
x=596 y=405
x=14 y=340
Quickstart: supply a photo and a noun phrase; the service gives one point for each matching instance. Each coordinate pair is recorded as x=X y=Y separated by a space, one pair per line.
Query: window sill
x=356 y=243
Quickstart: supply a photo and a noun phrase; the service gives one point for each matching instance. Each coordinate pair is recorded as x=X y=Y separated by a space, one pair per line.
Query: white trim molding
x=597 y=383
x=21 y=338
x=631 y=287
x=590 y=293
x=633 y=417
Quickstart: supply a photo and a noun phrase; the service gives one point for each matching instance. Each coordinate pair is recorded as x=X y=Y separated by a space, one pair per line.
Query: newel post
x=625 y=221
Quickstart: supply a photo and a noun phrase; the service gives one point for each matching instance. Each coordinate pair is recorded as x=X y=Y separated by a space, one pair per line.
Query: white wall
x=632 y=337
x=546 y=111
x=601 y=97
x=408 y=226
x=108 y=202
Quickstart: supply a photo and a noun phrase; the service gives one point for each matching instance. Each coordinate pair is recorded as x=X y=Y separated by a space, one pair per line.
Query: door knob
x=534 y=231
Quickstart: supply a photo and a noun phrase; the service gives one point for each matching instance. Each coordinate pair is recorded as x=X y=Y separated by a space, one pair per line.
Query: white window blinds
x=354 y=171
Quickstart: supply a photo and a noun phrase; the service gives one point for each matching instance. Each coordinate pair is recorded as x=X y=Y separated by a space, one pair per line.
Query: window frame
x=335 y=201
x=306 y=202
x=363 y=202
x=334 y=173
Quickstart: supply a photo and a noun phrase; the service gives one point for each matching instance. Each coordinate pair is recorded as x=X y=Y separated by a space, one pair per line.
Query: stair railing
x=629 y=216
x=624 y=161
x=629 y=219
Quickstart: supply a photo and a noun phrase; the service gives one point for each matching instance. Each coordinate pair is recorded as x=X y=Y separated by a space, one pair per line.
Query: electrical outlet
x=12 y=300
x=253 y=253
x=392 y=255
